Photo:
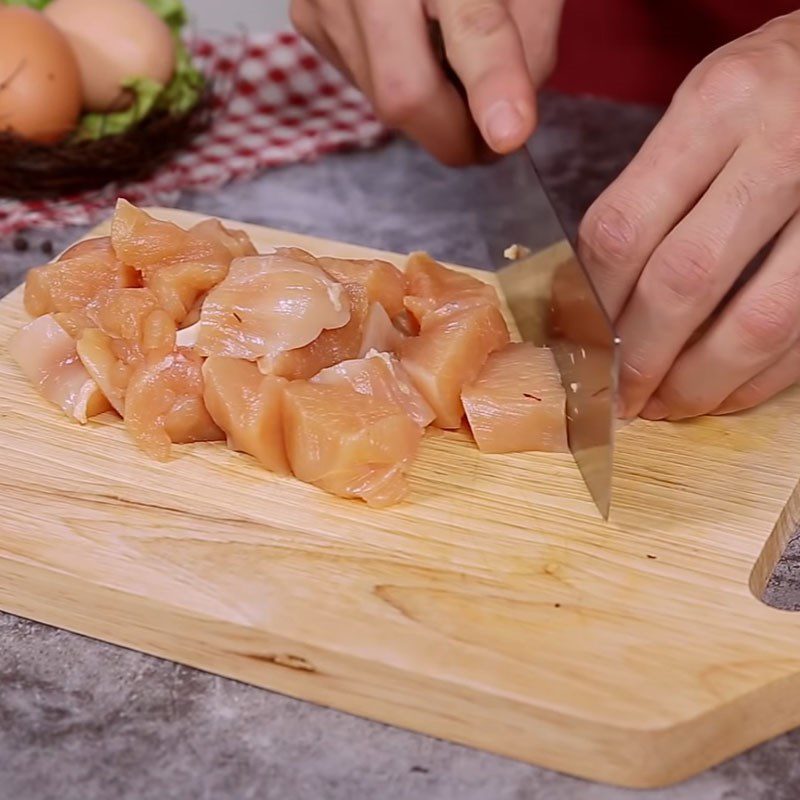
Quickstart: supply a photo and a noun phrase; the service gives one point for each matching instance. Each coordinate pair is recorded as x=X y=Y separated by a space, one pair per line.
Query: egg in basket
x=93 y=91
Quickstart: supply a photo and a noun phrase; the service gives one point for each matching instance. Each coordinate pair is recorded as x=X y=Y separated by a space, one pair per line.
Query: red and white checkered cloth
x=282 y=105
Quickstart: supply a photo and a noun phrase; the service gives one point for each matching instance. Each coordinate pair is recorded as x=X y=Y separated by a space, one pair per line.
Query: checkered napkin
x=277 y=103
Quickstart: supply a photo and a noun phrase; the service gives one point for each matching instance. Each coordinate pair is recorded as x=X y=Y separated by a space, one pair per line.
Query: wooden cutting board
x=492 y=608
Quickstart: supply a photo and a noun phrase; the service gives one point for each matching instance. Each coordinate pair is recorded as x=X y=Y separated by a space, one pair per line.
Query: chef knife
x=554 y=303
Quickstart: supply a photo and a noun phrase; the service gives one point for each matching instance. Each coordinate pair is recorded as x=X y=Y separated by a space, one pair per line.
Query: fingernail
x=654 y=410
x=503 y=123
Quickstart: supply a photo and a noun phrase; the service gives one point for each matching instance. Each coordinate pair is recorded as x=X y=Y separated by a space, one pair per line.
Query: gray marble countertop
x=82 y=720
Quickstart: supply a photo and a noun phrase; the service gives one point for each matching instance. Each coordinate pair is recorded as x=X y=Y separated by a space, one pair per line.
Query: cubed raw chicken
x=449 y=352
x=349 y=444
x=47 y=356
x=70 y=284
x=179 y=266
x=164 y=404
x=330 y=347
x=269 y=304
x=248 y=407
x=517 y=402
x=380 y=375
x=432 y=285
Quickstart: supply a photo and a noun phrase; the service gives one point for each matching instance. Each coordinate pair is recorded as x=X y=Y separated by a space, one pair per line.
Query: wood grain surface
x=492 y=608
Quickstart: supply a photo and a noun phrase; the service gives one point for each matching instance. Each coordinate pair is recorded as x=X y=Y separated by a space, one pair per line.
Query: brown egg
x=40 y=88
x=114 y=40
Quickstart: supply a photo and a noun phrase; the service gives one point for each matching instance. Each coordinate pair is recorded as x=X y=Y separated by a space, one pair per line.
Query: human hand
x=715 y=182
x=501 y=50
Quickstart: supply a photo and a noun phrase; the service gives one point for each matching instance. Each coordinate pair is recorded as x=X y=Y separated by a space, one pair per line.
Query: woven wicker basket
x=34 y=171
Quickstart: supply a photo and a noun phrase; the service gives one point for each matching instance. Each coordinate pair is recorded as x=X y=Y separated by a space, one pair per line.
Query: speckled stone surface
x=82 y=720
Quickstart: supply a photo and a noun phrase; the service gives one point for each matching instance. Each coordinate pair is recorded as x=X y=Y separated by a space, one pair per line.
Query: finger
x=538 y=24
x=484 y=48
x=690 y=272
x=410 y=90
x=756 y=329
x=306 y=22
x=772 y=381
x=340 y=24
x=676 y=164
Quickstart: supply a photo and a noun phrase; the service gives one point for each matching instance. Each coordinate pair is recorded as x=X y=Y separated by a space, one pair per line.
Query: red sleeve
x=641 y=50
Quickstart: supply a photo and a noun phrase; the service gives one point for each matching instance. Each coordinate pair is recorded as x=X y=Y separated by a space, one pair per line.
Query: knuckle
x=610 y=234
x=478 y=19
x=770 y=323
x=685 y=269
x=726 y=76
x=398 y=100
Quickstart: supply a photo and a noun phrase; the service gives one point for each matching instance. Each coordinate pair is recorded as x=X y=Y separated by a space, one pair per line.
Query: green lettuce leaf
x=186 y=86
x=147 y=94
x=37 y=4
x=173 y=12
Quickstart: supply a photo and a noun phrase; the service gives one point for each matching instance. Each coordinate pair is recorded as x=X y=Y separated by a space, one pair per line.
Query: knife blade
x=554 y=303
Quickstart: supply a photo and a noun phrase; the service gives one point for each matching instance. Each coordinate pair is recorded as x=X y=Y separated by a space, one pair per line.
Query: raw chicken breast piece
x=269 y=304
x=330 y=347
x=349 y=444
x=179 y=266
x=248 y=406
x=181 y=288
x=406 y=323
x=379 y=332
x=74 y=322
x=110 y=372
x=125 y=326
x=517 y=403
x=450 y=351
x=47 y=356
x=150 y=244
x=385 y=284
x=237 y=242
x=98 y=246
x=133 y=314
x=380 y=375
x=164 y=404
x=432 y=285
x=70 y=284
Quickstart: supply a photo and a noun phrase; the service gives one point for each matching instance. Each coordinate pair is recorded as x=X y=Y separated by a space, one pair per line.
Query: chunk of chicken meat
x=349 y=444
x=248 y=407
x=516 y=404
x=47 y=356
x=70 y=284
x=453 y=345
x=179 y=266
x=164 y=404
x=267 y=305
x=380 y=375
x=330 y=347
x=384 y=283
x=150 y=243
x=432 y=285
x=379 y=333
